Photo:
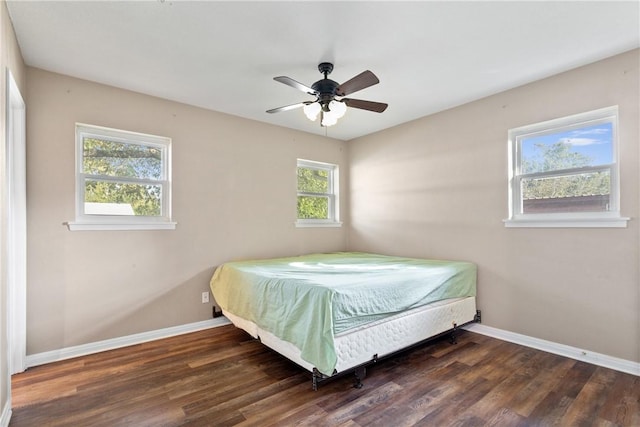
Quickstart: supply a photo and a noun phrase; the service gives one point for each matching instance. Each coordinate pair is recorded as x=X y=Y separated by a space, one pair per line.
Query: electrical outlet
x=205 y=297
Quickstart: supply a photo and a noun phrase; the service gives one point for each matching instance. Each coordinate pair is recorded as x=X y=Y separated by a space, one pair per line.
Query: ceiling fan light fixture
x=337 y=108
x=329 y=119
x=312 y=110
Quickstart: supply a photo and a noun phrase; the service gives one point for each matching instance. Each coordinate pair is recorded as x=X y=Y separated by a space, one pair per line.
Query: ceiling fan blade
x=294 y=84
x=377 y=107
x=289 y=107
x=359 y=82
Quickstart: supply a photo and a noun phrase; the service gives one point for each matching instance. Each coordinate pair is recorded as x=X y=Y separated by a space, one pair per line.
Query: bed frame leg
x=453 y=339
x=314 y=379
x=360 y=374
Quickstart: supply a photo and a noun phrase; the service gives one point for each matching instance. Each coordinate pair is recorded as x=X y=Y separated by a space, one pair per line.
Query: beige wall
x=234 y=196
x=437 y=188
x=10 y=58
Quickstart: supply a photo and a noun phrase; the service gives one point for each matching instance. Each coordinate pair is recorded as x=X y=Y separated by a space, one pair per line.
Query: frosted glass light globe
x=312 y=110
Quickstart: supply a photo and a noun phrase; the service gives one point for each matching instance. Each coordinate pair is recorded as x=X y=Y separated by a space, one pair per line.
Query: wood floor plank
x=500 y=395
x=622 y=404
x=588 y=403
x=365 y=403
x=408 y=409
x=546 y=374
x=443 y=414
x=421 y=391
x=312 y=415
x=278 y=415
x=505 y=417
x=222 y=377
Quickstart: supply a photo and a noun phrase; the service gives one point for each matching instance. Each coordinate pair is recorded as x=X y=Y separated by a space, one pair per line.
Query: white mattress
x=360 y=345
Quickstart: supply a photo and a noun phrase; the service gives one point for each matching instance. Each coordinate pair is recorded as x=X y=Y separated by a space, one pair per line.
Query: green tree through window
x=317 y=184
x=104 y=158
x=559 y=156
x=313 y=181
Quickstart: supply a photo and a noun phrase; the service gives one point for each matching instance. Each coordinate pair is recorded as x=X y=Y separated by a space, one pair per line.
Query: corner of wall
x=5 y=417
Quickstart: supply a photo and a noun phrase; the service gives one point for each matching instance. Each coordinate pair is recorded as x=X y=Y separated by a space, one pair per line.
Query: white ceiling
x=428 y=55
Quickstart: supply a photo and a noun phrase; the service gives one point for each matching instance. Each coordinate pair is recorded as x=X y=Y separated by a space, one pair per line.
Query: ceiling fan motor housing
x=326 y=89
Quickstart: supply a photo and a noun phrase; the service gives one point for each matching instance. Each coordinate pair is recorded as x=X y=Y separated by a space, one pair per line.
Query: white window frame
x=86 y=221
x=610 y=218
x=332 y=194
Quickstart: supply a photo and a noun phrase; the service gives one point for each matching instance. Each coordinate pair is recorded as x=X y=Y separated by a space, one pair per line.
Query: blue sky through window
x=595 y=142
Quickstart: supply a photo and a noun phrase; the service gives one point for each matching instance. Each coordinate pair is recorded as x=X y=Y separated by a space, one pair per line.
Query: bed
x=338 y=312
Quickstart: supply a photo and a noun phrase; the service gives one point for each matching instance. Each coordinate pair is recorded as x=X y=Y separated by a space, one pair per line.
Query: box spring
x=378 y=339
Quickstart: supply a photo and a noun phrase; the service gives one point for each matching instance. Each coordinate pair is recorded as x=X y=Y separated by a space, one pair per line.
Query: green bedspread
x=309 y=299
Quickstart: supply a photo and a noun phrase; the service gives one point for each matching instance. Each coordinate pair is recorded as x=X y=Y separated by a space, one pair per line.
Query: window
x=123 y=180
x=317 y=194
x=564 y=172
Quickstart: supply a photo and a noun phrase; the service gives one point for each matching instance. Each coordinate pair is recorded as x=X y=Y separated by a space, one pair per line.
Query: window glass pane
x=585 y=146
x=110 y=158
x=586 y=192
x=113 y=198
x=313 y=207
x=313 y=180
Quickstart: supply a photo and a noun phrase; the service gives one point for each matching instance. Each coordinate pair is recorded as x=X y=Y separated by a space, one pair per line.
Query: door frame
x=16 y=225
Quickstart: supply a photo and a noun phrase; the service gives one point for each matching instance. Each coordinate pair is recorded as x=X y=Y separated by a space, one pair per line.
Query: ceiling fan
x=326 y=92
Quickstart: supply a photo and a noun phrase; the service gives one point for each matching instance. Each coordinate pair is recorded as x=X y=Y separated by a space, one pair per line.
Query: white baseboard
x=594 y=358
x=6 y=414
x=111 y=344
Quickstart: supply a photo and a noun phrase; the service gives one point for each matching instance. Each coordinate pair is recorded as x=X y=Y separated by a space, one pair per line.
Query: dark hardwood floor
x=222 y=377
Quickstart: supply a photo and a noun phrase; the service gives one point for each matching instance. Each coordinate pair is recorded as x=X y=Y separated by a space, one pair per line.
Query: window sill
x=103 y=226
x=613 y=222
x=302 y=224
